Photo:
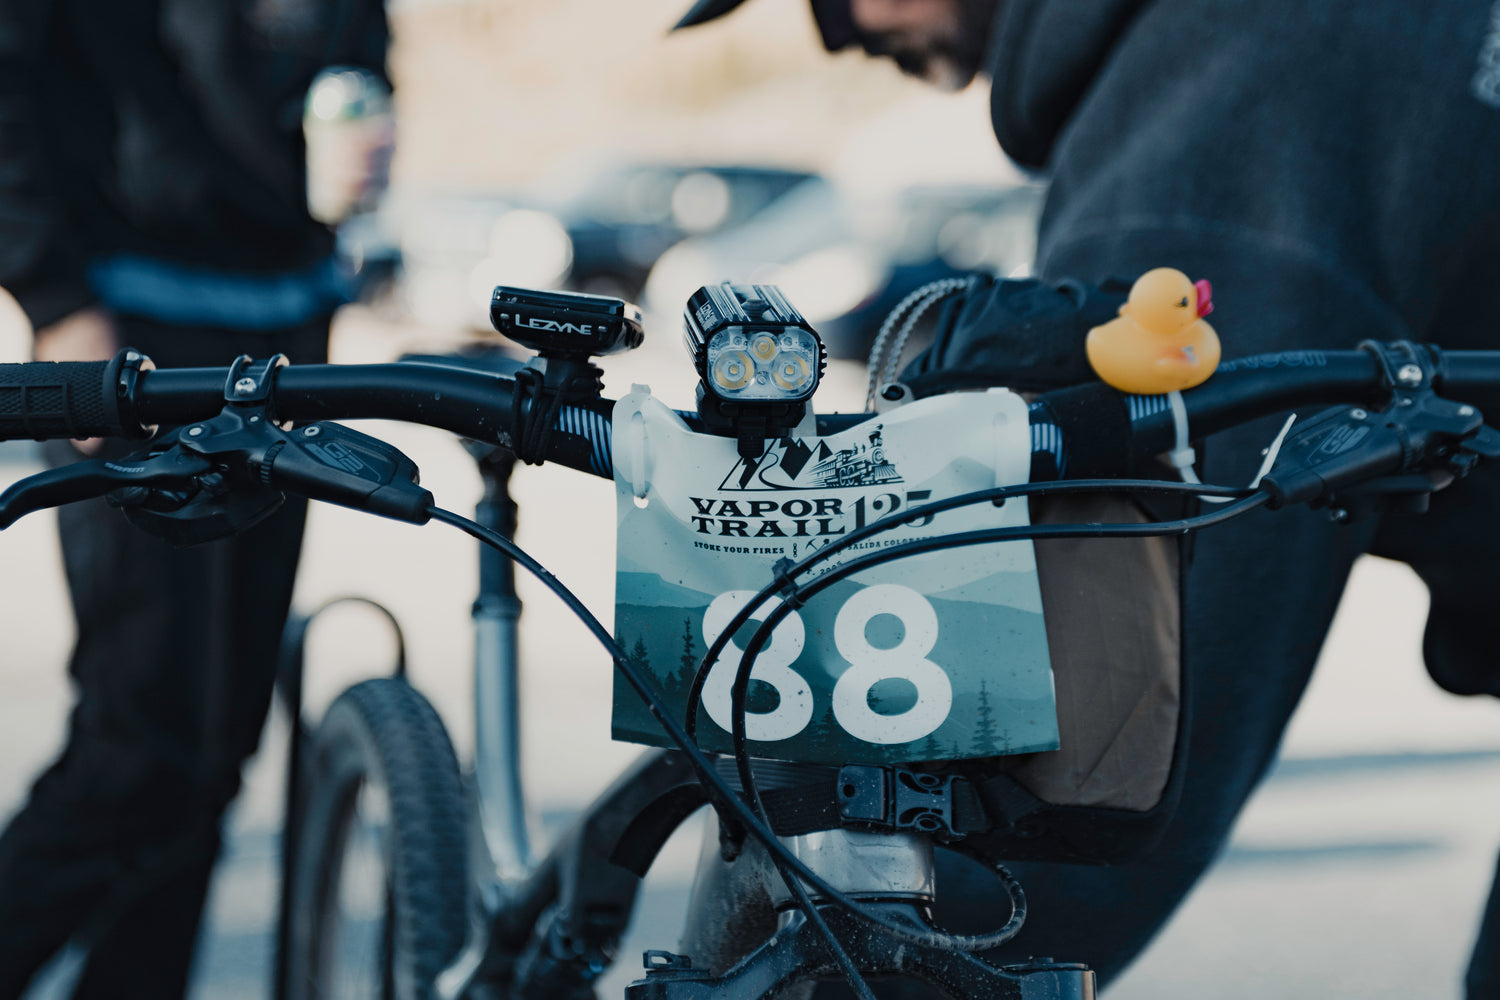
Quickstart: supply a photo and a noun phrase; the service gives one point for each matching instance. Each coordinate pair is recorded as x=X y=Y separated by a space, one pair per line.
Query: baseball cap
x=835 y=23
x=706 y=10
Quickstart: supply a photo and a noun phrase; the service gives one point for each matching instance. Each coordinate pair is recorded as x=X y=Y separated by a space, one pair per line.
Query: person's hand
x=86 y=335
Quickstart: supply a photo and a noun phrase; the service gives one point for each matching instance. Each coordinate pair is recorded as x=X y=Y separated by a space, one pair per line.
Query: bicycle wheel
x=378 y=893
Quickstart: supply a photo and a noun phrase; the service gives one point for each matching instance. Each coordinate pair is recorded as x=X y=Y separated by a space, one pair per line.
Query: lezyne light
x=758 y=360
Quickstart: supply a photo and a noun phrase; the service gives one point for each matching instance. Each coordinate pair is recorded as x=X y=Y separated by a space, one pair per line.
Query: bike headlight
x=750 y=346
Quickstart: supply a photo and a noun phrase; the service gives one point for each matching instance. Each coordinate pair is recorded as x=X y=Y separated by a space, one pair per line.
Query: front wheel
x=378 y=892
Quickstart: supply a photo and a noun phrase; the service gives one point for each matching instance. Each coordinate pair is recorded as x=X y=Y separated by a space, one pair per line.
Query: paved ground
x=1357 y=872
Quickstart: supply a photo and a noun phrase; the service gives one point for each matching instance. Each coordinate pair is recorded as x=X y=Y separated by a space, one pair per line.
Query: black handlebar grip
x=60 y=399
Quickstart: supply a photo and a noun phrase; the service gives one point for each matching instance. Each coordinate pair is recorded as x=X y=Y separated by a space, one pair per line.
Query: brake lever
x=249 y=462
x=220 y=476
x=1483 y=443
x=216 y=501
x=1357 y=463
x=140 y=474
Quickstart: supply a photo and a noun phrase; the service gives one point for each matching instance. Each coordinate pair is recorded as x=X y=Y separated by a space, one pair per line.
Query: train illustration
x=864 y=465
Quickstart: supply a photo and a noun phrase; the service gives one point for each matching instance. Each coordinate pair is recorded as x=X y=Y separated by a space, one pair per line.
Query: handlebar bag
x=1112 y=607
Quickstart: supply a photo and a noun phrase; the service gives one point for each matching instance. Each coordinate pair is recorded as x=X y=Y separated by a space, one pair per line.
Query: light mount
x=758 y=361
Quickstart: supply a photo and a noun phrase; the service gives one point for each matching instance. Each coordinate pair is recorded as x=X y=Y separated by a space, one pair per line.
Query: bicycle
x=852 y=894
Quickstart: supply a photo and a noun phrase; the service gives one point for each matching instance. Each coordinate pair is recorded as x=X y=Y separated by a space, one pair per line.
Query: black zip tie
x=786 y=586
x=532 y=432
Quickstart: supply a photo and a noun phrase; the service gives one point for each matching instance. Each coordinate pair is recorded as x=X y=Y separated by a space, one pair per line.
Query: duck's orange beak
x=1205 y=297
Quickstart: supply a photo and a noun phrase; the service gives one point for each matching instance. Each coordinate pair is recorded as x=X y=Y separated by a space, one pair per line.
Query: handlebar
x=64 y=399
x=1085 y=431
x=465 y=401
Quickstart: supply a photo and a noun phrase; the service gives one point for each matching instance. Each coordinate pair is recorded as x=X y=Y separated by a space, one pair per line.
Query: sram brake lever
x=248 y=467
x=166 y=478
x=322 y=461
x=244 y=465
x=218 y=477
x=329 y=462
x=1356 y=462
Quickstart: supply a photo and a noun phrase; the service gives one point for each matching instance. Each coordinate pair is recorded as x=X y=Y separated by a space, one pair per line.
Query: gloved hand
x=1027 y=335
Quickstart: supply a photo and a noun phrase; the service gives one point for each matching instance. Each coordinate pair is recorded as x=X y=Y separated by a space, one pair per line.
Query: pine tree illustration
x=681 y=679
x=986 y=738
x=633 y=706
x=690 y=654
x=641 y=657
x=826 y=735
x=929 y=748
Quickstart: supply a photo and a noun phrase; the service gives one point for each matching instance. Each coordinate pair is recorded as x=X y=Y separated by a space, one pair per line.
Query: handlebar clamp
x=251 y=382
x=1404 y=365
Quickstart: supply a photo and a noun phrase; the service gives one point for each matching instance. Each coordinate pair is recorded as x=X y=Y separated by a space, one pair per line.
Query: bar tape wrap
x=1094 y=421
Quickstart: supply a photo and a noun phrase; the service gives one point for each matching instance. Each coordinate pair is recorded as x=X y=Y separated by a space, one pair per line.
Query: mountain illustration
x=779 y=466
x=792 y=464
x=1014 y=585
x=650 y=590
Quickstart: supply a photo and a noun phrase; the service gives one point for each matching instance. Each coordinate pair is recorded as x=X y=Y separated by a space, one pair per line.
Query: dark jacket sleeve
x=40 y=261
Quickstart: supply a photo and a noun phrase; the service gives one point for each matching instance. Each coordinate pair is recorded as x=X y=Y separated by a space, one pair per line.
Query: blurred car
x=624 y=218
x=601 y=234
x=846 y=261
x=443 y=238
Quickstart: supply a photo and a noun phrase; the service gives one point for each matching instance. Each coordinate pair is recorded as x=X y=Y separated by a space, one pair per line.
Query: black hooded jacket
x=1333 y=168
x=170 y=128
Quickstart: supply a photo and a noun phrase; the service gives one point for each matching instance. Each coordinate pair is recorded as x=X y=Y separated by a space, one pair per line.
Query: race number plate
x=940 y=656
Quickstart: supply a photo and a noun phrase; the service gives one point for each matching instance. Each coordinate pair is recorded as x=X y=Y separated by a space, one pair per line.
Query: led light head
x=750 y=345
x=758 y=360
x=771 y=368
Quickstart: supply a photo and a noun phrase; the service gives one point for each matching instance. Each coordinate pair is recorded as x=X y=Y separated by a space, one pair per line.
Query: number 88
x=869 y=664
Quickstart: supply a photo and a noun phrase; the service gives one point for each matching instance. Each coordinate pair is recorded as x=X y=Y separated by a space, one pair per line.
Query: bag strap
x=893 y=798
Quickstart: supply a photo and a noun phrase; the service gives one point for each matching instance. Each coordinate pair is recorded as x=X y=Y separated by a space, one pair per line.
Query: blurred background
x=574 y=145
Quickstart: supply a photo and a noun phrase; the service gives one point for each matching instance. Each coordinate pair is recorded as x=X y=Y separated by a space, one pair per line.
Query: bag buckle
x=896 y=798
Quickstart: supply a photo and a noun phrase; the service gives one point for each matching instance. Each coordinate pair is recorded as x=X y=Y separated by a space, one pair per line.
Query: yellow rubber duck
x=1160 y=342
